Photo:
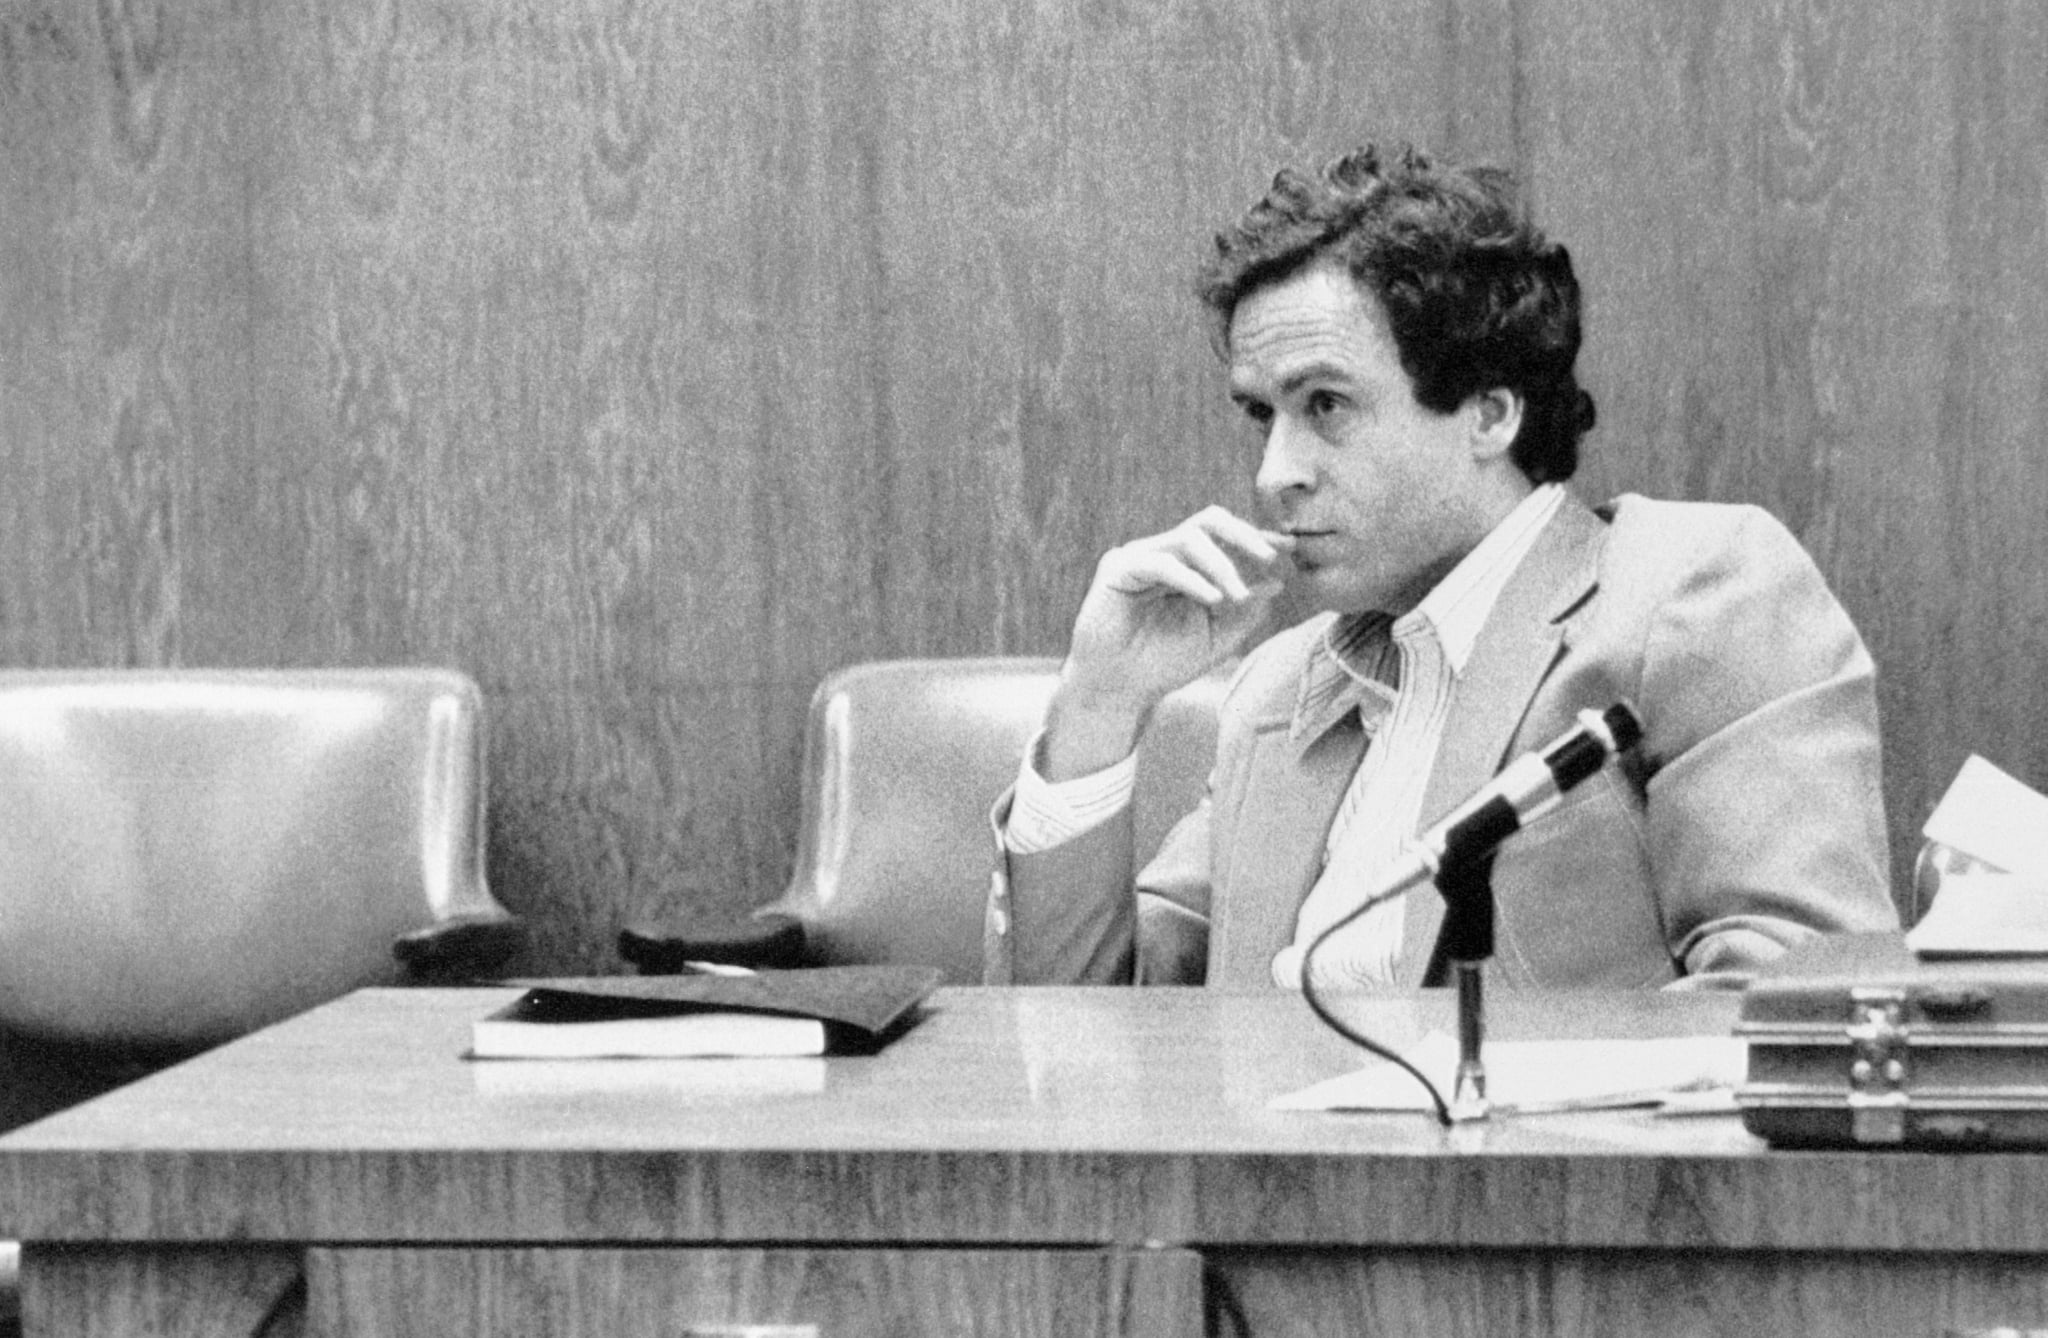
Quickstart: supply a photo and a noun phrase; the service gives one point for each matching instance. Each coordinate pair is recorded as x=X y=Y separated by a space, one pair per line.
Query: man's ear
x=1496 y=420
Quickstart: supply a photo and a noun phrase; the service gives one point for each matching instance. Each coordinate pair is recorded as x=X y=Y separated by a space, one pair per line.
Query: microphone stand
x=1457 y=855
x=1465 y=880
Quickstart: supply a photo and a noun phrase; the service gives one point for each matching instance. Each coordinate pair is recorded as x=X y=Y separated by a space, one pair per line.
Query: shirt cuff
x=1045 y=814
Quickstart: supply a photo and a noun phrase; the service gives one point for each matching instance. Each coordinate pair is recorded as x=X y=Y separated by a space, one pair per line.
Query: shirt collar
x=1355 y=665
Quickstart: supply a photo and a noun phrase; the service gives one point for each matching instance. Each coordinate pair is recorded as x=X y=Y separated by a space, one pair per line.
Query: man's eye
x=1261 y=414
x=1321 y=402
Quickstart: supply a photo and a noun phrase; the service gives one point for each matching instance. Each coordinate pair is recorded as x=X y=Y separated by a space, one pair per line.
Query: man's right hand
x=1161 y=612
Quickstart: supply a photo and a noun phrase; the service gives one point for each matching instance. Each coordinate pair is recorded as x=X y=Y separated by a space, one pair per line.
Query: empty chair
x=187 y=855
x=903 y=760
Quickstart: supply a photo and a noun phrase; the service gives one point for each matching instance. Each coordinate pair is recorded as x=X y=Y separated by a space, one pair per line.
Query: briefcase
x=1855 y=1042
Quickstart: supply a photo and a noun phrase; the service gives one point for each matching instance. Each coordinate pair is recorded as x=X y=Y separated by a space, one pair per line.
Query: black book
x=816 y=1010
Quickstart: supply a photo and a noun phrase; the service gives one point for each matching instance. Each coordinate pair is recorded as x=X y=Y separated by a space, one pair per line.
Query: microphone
x=1523 y=791
x=1457 y=855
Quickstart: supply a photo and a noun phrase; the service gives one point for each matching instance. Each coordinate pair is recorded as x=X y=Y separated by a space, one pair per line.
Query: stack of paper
x=1993 y=818
x=2000 y=907
x=1985 y=915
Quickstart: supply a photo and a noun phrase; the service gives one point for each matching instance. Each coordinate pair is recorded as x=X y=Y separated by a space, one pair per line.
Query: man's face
x=1382 y=495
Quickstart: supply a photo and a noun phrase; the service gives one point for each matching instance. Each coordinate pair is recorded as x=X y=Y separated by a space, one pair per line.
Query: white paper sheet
x=1985 y=915
x=1536 y=1076
x=1990 y=816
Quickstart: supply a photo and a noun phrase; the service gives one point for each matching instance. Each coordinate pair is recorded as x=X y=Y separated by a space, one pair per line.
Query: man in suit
x=1401 y=340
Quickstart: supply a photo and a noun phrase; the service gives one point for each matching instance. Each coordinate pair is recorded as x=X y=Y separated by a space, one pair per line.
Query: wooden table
x=1049 y=1162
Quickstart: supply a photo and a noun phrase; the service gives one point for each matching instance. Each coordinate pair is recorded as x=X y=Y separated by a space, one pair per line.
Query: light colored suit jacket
x=1749 y=817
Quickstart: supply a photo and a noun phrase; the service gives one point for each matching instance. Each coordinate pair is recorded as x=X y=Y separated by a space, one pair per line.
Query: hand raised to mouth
x=1161 y=612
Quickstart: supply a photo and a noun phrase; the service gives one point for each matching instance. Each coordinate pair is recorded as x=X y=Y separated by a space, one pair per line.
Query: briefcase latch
x=1877 y=1065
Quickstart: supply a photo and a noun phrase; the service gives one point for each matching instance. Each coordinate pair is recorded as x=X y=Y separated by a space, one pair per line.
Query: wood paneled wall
x=649 y=360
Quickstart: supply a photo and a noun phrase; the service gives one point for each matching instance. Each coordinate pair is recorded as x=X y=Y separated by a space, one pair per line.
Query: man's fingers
x=1231 y=553
x=1269 y=551
x=1213 y=558
x=1154 y=571
x=1239 y=533
x=1206 y=556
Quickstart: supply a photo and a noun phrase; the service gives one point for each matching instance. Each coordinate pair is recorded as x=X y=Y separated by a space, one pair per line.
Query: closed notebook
x=805 y=1012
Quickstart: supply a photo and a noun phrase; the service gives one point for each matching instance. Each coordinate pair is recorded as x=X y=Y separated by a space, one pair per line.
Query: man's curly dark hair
x=1476 y=297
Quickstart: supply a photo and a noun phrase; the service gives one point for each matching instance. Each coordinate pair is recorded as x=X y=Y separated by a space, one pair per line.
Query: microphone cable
x=1316 y=1005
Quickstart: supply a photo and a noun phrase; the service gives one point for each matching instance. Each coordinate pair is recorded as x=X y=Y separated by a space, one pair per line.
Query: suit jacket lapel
x=1276 y=849
x=1515 y=651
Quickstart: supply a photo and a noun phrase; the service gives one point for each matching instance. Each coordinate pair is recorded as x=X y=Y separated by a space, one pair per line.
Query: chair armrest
x=666 y=947
x=461 y=947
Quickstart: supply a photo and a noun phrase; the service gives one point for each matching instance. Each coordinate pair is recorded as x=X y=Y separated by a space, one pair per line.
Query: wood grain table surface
x=1005 y=1116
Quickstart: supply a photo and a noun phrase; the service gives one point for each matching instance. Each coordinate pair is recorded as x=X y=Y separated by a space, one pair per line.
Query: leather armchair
x=903 y=759
x=188 y=855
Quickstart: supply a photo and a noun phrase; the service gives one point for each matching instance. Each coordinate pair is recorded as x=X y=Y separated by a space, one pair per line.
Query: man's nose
x=1287 y=464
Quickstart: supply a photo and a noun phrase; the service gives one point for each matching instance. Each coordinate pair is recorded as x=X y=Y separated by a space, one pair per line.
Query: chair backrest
x=903 y=760
x=187 y=855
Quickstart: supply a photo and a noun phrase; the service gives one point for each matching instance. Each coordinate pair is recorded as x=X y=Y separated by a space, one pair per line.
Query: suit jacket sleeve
x=1764 y=808
x=1074 y=914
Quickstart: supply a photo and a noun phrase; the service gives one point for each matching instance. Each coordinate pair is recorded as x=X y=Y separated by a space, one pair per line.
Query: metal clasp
x=1877 y=1064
